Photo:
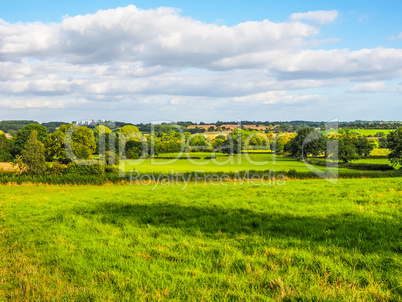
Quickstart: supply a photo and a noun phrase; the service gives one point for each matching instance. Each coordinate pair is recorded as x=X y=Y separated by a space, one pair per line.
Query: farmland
x=223 y=163
x=201 y=226
x=365 y=132
x=305 y=240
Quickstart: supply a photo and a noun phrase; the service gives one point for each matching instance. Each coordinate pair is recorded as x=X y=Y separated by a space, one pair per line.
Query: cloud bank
x=126 y=55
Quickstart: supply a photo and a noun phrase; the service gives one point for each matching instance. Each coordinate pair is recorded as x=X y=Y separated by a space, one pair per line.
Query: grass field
x=380 y=152
x=372 y=132
x=365 y=132
x=222 y=163
x=303 y=241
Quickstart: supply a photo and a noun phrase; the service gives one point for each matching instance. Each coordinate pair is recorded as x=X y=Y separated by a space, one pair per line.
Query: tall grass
x=303 y=241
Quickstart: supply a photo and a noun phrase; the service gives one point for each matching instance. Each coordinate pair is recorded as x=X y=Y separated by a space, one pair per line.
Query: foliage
x=33 y=155
x=5 y=148
x=52 y=126
x=54 y=144
x=22 y=136
x=363 y=146
x=236 y=141
x=135 y=149
x=111 y=158
x=129 y=129
x=197 y=142
x=101 y=129
x=92 y=170
x=83 y=142
x=19 y=163
x=307 y=142
x=395 y=146
x=6 y=126
x=56 y=168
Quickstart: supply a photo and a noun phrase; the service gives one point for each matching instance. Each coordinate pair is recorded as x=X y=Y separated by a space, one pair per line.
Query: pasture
x=301 y=240
x=364 y=132
x=222 y=163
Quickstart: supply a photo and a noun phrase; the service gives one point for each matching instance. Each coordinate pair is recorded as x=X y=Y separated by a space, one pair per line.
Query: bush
x=110 y=158
x=56 y=168
x=94 y=170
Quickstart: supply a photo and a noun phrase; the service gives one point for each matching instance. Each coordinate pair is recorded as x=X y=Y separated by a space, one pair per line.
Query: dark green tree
x=347 y=149
x=363 y=146
x=307 y=142
x=22 y=136
x=33 y=155
x=394 y=139
x=5 y=146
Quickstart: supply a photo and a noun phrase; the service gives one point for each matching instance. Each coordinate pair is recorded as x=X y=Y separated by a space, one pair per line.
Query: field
x=380 y=152
x=372 y=132
x=365 y=132
x=222 y=163
x=303 y=240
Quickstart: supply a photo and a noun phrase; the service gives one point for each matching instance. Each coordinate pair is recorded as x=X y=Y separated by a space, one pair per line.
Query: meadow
x=365 y=132
x=222 y=163
x=294 y=241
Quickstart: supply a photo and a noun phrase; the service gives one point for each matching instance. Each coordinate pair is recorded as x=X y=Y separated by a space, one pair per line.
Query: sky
x=160 y=61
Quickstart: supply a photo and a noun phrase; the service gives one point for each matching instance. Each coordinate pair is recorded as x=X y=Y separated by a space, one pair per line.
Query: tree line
x=33 y=146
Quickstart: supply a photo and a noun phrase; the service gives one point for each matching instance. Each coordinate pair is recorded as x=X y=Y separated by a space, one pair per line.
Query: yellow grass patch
x=7 y=167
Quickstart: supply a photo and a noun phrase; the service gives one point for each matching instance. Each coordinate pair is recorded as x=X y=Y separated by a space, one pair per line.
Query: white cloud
x=37 y=104
x=133 y=56
x=375 y=87
x=398 y=37
x=321 y=17
x=277 y=97
x=151 y=36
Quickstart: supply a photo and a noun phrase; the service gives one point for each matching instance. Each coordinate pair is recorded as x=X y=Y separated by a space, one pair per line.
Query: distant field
x=380 y=152
x=365 y=132
x=372 y=131
x=222 y=163
x=303 y=241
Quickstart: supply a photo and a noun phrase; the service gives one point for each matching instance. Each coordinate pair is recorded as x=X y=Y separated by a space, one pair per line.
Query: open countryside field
x=380 y=152
x=305 y=240
x=222 y=163
x=365 y=132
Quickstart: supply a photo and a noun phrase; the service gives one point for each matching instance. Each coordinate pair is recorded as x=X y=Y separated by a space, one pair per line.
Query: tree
x=101 y=129
x=5 y=146
x=134 y=149
x=394 y=139
x=33 y=155
x=347 y=149
x=235 y=141
x=22 y=136
x=363 y=146
x=383 y=142
x=83 y=142
x=308 y=141
x=129 y=129
x=54 y=144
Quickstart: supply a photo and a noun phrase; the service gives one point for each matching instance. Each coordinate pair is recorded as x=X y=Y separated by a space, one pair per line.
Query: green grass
x=380 y=152
x=365 y=132
x=372 y=131
x=222 y=163
x=303 y=241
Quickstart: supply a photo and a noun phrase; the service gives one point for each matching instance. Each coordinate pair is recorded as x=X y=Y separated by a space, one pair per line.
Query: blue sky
x=336 y=59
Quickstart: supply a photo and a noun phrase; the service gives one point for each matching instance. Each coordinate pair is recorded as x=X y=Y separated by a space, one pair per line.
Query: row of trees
x=345 y=145
x=32 y=146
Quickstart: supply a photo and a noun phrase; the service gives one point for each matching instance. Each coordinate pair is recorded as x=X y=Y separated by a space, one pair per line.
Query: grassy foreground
x=302 y=241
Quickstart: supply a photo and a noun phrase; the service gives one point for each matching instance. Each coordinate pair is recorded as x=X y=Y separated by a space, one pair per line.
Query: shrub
x=56 y=168
x=94 y=170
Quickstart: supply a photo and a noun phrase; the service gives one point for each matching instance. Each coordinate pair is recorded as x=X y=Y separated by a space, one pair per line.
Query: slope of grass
x=302 y=241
